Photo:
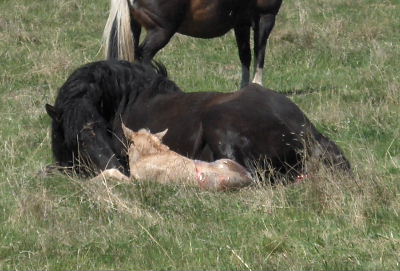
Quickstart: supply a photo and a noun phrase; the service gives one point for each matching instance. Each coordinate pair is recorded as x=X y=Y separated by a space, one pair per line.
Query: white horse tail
x=118 y=37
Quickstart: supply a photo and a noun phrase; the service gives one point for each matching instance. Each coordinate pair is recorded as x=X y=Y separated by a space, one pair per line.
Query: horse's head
x=143 y=143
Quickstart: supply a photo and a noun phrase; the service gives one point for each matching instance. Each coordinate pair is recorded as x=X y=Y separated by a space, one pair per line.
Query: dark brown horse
x=195 y=18
x=248 y=126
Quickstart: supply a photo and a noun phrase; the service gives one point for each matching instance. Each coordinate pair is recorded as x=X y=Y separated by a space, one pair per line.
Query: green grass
x=338 y=60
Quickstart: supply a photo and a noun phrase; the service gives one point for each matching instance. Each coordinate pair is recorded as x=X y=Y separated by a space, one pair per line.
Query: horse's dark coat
x=198 y=18
x=252 y=124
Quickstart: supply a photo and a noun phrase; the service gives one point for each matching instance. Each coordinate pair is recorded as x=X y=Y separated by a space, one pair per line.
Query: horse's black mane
x=110 y=81
x=96 y=92
x=114 y=78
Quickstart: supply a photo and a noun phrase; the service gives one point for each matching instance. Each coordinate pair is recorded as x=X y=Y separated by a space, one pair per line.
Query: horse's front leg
x=263 y=26
x=242 y=34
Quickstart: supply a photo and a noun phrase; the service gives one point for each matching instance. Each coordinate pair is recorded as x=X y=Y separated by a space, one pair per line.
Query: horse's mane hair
x=100 y=91
x=108 y=81
x=161 y=83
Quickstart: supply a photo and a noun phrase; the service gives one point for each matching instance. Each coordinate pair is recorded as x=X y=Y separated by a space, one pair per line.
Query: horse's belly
x=206 y=20
x=203 y=29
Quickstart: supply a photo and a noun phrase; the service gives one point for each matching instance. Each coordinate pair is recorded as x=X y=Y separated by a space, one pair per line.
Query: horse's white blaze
x=119 y=12
x=258 y=76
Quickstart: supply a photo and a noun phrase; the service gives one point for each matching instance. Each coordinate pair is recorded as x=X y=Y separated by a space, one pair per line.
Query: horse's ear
x=129 y=134
x=160 y=135
x=53 y=113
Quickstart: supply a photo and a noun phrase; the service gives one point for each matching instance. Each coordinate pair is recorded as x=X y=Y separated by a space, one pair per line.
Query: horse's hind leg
x=136 y=30
x=242 y=34
x=155 y=40
x=263 y=26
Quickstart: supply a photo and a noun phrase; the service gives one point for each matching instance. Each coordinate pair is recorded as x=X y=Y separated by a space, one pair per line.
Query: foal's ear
x=160 y=135
x=129 y=134
x=53 y=113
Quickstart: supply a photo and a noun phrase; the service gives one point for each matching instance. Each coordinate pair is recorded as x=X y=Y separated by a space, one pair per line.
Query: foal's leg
x=110 y=174
x=262 y=29
x=242 y=34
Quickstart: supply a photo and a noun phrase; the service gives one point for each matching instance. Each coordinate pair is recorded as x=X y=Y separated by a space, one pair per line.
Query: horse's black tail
x=118 y=41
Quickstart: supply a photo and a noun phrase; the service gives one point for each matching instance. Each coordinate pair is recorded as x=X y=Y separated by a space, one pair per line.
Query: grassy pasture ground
x=338 y=60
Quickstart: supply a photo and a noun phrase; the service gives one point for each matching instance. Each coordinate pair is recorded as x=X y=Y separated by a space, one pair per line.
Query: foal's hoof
x=111 y=173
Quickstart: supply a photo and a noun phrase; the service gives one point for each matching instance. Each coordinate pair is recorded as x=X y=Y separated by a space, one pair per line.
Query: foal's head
x=144 y=143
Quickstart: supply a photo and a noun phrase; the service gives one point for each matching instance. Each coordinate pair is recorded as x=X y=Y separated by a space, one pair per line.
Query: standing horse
x=251 y=125
x=195 y=18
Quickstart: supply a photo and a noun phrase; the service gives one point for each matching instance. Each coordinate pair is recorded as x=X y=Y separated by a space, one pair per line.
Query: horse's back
x=245 y=126
x=255 y=100
x=214 y=18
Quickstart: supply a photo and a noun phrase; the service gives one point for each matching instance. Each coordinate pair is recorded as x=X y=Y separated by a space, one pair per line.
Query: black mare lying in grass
x=251 y=125
x=195 y=18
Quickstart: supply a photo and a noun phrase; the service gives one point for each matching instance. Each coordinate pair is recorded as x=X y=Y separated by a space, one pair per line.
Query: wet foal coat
x=150 y=159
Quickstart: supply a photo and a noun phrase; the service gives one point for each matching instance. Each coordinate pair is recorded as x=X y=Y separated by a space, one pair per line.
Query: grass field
x=338 y=60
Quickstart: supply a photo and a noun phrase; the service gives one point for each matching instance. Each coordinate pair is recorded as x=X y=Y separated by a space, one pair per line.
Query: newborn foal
x=150 y=159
